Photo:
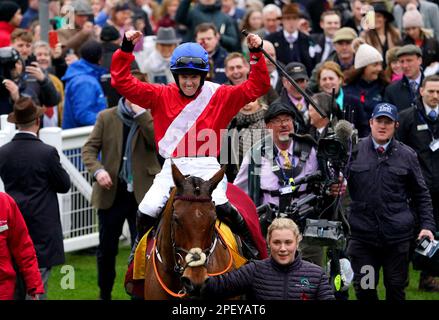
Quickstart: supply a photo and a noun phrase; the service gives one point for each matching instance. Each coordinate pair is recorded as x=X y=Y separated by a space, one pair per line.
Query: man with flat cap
x=404 y=93
x=384 y=175
x=32 y=174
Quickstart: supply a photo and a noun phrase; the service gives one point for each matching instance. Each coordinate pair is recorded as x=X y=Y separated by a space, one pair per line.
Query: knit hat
x=366 y=55
x=8 y=10
x=109 y=33
x=412 y=17
x=91 y=51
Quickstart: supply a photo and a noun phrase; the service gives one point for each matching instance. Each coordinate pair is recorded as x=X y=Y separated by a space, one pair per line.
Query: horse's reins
x=182 y=295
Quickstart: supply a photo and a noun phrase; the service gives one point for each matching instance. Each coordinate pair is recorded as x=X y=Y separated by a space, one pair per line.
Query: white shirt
x=28 y=132
x=328 y=49
x=295 y=35
x=274 y=78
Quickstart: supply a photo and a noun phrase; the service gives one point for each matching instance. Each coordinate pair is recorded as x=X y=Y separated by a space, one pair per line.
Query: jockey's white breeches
x=202 y=167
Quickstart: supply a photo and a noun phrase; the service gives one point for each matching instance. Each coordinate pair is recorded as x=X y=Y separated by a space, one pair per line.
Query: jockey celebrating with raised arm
x=188 y=116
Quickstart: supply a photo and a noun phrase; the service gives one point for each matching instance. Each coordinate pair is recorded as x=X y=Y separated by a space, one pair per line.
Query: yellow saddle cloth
x=224 y=231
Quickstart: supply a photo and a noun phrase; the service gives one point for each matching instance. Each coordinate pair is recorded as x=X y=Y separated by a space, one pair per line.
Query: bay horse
x=188 y=246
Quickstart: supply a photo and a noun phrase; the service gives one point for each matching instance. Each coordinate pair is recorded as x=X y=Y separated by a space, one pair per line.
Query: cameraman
x=385 y=176
x=17 y=80
x=267 y=168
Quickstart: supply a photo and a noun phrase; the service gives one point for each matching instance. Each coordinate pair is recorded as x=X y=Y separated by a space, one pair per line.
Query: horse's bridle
x=194 y=257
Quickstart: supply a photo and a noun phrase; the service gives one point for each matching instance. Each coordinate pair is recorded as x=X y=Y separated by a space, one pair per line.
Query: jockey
x=188 y=117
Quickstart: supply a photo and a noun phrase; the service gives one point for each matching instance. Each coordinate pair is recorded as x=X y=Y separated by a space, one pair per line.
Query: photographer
x=18 y=80
x=266 y=172
x=387 y=188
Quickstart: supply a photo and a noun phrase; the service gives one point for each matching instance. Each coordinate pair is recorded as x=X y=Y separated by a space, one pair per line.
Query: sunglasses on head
x=196 y=62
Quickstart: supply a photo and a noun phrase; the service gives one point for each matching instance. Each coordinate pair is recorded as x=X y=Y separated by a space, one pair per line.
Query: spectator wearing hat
x=291 y=44
x=207 y=36
x=428 y=10
x=32 y=174
x=330 y=22
x=419 y=125
x=384 y=175
x=343 y=56
x=393 y=71
x=291 y=97
x=403 y=93
x=384 y=36
x=74 y=38
x=155 y=63
x=10 y=18
x=416 y=34
x=270 y=163
x=367 y=87
x=208 y=11
x=84 y=97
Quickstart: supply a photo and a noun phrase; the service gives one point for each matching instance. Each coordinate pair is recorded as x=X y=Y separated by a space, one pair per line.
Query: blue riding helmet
x=189 y=56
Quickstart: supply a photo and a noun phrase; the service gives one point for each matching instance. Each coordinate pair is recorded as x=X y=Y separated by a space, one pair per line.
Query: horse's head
x=193 y=226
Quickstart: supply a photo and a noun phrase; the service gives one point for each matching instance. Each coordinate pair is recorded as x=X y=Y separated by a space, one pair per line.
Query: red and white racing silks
x=187 y=127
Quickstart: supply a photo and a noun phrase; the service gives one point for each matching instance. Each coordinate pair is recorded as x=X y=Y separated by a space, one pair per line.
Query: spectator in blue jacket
x=282 y=276
x=84 y=97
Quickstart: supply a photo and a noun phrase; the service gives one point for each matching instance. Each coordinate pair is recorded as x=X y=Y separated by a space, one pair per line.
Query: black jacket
x=41 y=92
x=381 y=189
x=32 y=174
x=417 y=130
x=399 y=94
x=286 y=55
x=363 y=96
x=268 y=280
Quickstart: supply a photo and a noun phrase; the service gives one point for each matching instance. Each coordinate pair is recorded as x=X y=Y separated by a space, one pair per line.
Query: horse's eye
x=175 y=218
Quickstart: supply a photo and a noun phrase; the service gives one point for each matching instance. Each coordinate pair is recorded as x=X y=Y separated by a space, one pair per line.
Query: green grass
x=86 y=287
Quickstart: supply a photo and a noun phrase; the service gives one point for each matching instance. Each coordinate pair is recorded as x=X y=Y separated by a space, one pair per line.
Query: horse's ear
x=177 y=175
x=217 y=177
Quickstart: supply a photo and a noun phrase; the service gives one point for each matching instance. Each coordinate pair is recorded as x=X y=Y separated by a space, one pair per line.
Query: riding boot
x=144 y=222
x=229 y=215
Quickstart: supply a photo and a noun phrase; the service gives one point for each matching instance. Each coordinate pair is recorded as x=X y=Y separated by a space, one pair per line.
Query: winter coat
x=16 y=245
x=33 y=175
x=43 y=93
x=400 y=94
x=268 y=280
x=84 y=97
x=430 y=49
x=364 y=96
x=413 y=132
x=380 y=188
x=303 y=50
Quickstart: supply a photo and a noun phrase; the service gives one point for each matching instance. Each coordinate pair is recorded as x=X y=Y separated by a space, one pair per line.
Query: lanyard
x=424 y=121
